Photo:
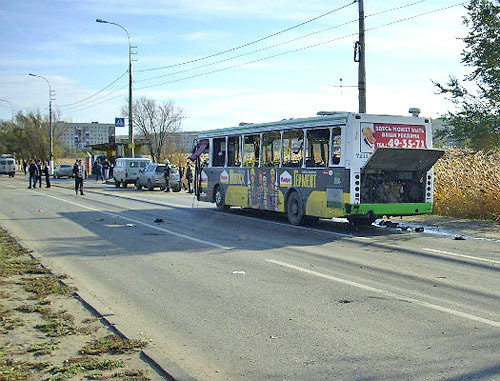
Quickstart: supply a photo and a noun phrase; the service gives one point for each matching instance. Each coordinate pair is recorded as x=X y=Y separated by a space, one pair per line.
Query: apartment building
x=80 y=135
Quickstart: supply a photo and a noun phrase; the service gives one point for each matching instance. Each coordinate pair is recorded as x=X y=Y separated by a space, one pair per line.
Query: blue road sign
x=119 y=122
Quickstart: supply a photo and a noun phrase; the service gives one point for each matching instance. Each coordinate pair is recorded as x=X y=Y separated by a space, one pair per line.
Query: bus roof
x=285 y=124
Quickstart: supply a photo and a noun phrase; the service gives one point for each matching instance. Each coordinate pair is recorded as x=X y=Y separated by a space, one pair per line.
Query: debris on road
x=239 y=272
x=130 y=225
x=158 y=220
x=459 y=238
x=342 y=301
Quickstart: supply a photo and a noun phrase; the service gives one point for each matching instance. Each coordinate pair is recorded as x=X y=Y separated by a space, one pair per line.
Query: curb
x=166 y=368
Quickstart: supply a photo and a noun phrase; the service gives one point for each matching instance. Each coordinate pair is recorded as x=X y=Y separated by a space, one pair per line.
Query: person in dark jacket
x=166 y=175
x=105 y=169
x=39 y=173
x=79 y=172
x=189 y=177
x=32 y=169
x=46 y=172
x=25 y=165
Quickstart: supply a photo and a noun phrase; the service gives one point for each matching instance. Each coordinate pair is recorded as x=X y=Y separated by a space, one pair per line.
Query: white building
x=79 y=135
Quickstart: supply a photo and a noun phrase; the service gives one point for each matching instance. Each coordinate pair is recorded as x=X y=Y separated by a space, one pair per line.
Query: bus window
x=271 y=144
x=293 y=143
x=318 y=141
x=251 y=151
x=336 y=146
x=234 y=151
x=219 y=152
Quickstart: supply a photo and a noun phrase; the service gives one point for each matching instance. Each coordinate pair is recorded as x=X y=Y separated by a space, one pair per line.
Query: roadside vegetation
x=468 y=184
x=47 y=334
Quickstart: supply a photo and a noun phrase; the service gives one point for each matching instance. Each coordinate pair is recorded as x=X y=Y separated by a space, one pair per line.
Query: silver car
x=63 y=170
x=153 y=177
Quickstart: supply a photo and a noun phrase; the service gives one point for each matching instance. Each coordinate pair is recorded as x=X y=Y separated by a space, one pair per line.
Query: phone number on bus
x=402 y=143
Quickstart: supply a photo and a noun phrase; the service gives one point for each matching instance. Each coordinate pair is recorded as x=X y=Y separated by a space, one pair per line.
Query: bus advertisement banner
x=385 y=135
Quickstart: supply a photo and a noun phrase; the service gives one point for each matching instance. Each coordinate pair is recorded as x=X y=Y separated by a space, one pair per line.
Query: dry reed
x=467 y=184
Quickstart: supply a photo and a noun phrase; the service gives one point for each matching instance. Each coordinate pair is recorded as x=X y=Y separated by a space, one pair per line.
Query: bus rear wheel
x=294 y=210
x=219 y=199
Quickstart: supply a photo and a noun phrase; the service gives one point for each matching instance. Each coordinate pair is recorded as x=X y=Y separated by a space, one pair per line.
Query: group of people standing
x=102 y=168
x=36 y=170
x=189 y=177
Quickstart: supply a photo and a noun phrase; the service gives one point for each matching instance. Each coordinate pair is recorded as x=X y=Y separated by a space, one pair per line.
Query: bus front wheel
x=219 y=199
x=294 y=210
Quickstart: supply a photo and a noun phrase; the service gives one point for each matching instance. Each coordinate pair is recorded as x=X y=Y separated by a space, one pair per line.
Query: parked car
x=63 y=170
x=153 y=176
x=126 y=170
x=7 y=166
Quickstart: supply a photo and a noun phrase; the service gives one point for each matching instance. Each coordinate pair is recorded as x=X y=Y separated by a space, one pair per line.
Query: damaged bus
x=357 y=166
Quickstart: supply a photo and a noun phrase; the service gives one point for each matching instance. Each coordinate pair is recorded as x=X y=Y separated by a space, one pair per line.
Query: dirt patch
x=47 y=334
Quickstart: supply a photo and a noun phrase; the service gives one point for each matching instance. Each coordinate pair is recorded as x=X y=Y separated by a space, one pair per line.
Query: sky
x=291 y=74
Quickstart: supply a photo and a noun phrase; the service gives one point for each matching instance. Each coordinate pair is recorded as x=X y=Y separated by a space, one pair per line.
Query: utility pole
x=361 y=58
x=130 y=102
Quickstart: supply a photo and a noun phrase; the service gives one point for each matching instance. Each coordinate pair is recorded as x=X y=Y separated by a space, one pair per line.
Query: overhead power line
x=103 y=98
x=96 y=93
x=249 y=43
x=291 y=51
x=276 y=45
x=301 y=49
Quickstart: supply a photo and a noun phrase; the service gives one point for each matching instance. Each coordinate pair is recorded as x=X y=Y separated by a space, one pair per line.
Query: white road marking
x=169 y=203
x=460 y=255
x=390 y=294
x=144 y=224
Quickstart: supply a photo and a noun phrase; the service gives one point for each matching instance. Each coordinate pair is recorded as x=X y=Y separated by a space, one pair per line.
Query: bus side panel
x=324 y=191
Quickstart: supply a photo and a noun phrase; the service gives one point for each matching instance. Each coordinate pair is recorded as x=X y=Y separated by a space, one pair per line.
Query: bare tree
x=156 y=122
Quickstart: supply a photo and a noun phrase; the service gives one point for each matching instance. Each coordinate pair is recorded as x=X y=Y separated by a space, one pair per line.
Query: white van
x=7 y=166
x=126 y=170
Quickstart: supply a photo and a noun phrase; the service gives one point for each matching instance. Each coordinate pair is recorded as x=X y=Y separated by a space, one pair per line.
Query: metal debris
x=343 y=301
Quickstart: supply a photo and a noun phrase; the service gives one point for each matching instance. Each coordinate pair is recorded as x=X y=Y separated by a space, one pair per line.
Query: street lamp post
x=130 y=115
x=11 y=109
x=51 y=146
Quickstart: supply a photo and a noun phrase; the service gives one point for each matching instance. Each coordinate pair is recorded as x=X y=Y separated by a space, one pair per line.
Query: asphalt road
x=244 y=296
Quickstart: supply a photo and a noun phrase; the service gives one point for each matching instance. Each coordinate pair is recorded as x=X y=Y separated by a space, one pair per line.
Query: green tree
x=475 y=122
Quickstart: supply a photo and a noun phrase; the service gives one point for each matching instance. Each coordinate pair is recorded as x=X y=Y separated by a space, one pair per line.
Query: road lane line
x=460 y=255
x=175 y=205
x=390 y=294
x=143 y=224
